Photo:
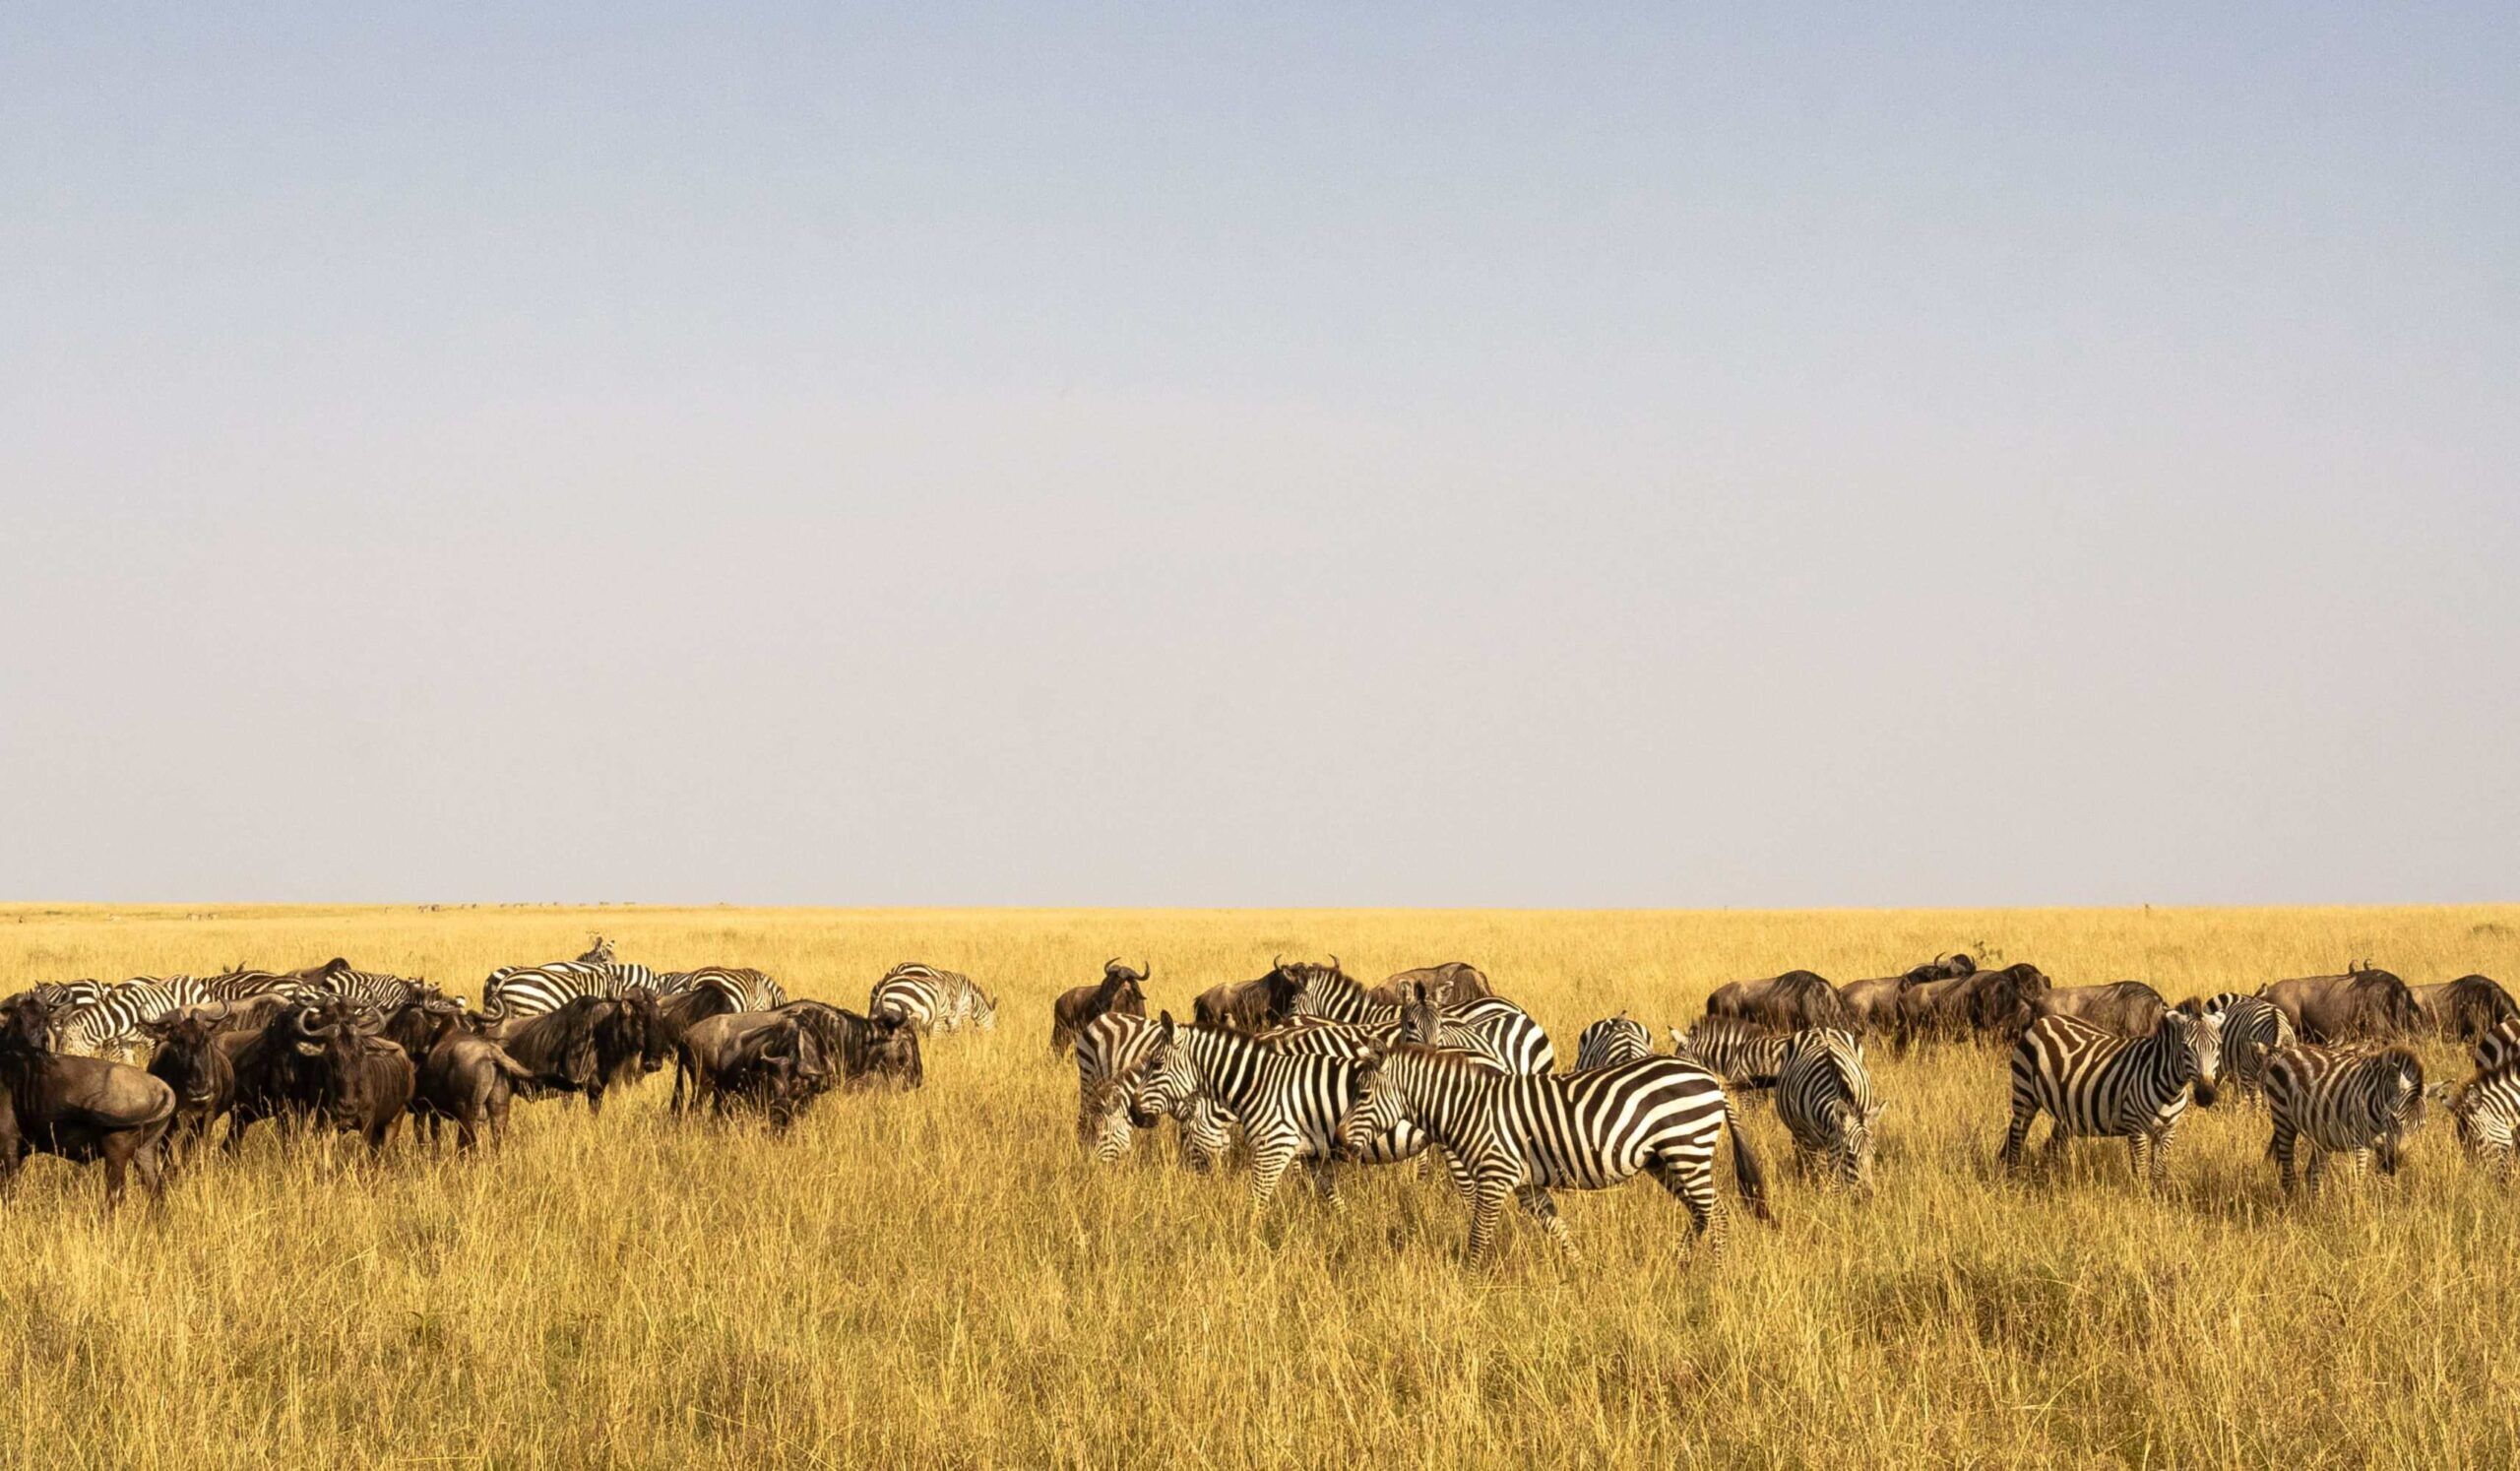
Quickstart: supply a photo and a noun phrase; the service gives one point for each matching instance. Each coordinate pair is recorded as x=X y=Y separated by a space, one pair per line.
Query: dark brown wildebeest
x=309 y=1059
x=80 y=1108
x=1251 y=1005
x=1447 y=985
x=1783 y=1003
x=2129 y=1008
x=849 y=1050
x=2465 y=1009
x=1983 y=1003
x=776 y=1070
x=2364 y=1005
x=190 y=1061
x=1120 y=990
x=465 y=1076
x=567 y=1048
x=1874 y=1004
x=382 y=1095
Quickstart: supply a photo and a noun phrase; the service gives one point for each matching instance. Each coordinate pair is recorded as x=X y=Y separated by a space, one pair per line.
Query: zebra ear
x=1163 y=1027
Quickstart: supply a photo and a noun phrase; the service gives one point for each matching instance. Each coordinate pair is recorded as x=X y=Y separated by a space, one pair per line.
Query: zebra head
x=1169 y=1082
x=1207 y=1133
x=1376 y=1105
x=1855 y=1142
x=2399 y=1099
x=1103 y=1126
x=597 y=953
x=2195 y=1044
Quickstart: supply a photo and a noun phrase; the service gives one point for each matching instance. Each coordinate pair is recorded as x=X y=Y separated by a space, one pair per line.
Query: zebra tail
x=1746 y=1180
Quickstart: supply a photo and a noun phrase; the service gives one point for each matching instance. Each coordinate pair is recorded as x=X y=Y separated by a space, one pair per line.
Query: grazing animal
x=383 y=1080
x=934 y=1000
x=861 y=1051
x=109 y=1026
x=307 y=1061
x=574 y=1049
x=1288 y=1103
x=2465 y=1009
x=1743 y=1056
x=2497 y=1047
x=1824 y=1098
x=1111 y=1051
x=1490 y=1027
x=1876 y=1002
x=716 y=1051
x=2364 y=1005
x=776 y=1070
x=2484 y=1111
x=1450 y=984
x=189 y=1060
x=1120 y=990
x=2253 y=1029
x=2090 y=1081
x=2129 y=1008
x=526 y=990
x=1980 y=1002
x=58 y=997
x=471 y=1080
x=1522 y=1136
x=1253 y=1005
x=2342 y=1101
x=1612 y=1041
x=81 y=1109
x=1783 y=1003
x=339 y=977
x=713 y=989
x=1488 y=1024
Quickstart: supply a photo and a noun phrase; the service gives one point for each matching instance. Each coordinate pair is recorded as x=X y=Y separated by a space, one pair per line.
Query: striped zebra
x=1504 y=1036
x=1288 y=1102
x=1824 y=1098
x=57 y=996
x=1743 y=1054
x=2253 y=1029
x=739 y=989
x=244 y=984
x=1110 y=1052
x=1522 y=1136
x=1612 y=1041
x=2497 y=1047
x=2095 y=1082
x=2484 y=1111
x=2342 y=1100
x=339 y=977
x=1491 y=1025
x=110 y=1026
x=529 y=990
x=934 y=1000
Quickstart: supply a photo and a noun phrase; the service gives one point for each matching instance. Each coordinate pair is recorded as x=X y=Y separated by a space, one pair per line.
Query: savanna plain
x=942 y=1278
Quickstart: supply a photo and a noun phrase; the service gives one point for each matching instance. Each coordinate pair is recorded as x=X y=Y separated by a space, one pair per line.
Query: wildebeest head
x=188 y=1058
x=26 y=1026
x=1123 y=986
x=892 y=1049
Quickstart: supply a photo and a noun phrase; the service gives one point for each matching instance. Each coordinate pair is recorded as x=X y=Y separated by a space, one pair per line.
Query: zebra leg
x=1486 y=1204
x=2283 y=1146
x=1326 y=1184
x=1269 y=1164
x=1695 y=1187
x=2024 y=1113
x=1536 y=1203
x=2316 y=1168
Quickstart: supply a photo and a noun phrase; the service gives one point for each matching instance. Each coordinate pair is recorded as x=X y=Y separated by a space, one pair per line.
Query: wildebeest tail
x=1746 y=1180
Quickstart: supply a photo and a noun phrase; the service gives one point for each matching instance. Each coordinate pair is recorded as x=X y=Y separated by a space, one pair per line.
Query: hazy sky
x=1260 y=454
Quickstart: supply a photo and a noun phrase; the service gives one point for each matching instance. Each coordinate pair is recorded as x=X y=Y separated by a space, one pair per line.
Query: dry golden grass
x=939 y=1278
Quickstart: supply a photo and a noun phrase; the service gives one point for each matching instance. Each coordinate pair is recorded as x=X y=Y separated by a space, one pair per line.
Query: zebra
x=1288 y=1102
x=109 y=1026
x=245 y=984
x=2484 y=1111
x=1743 y=1055
x=1824 y=1098
x=1508 y=1135
x=1491 y=1025
x=934 y=1000
x=2095 y=1082
x=2497 y=1047
x=2253 y=1029
x=742 y=989
x=1610 y=1041
x=386 y=993
x=57 y=996
x=2343 y=1100
x=529 y=990
x=1505 y=1036
x=1110 y=1051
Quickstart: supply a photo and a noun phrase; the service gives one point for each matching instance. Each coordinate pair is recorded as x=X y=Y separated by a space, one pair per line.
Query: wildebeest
x=309 y=1059
x=776 y=1070
x=1874 y=1003
x=1447 y=985
x=1253 y=1005
x=469 y=1078
x=576 y=1047
x=1783 y=1003
x=2465 y=1009
x=190 y=1061
x=1982 y=1003
x=1120 y=990
x=80 y=1108
x=383 y=1093
x=2129 y=1008
x=2364 y=1005
x=848 y=1048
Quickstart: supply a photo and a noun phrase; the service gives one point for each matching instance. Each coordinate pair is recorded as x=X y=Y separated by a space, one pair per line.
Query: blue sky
x=1236 y=456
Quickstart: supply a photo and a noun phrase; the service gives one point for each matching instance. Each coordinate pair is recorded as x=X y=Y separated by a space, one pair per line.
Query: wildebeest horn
x=1110 y=965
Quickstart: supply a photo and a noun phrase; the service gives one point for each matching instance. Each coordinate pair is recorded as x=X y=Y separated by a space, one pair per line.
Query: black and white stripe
x=1522 y=1136
x=1824 y=1098
x=740 y=989
x=1612 y=1041
x=528 y=991
x=2484 y=1111
x=110 y=1025
x=1744 y=1055
x=2092 y=1082
x=1110 y=1052
x=2497 y=1047
x=1491 y=1026
x=2345 y=1100
x=1288 y=1102
x=933 y=998
x=2253 y=1028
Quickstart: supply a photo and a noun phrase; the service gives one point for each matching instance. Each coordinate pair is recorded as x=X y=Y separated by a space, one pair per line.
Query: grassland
x=938 y=1278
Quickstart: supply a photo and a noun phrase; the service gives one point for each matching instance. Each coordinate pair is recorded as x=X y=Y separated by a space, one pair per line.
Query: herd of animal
x=1304 y=1065
x=1308 y=1065
x=332 y=1045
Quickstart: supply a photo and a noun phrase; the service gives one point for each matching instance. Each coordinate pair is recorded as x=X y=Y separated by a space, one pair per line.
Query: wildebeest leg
x=1694 y=1185
x=1536 y=1203
x=150 y=1162
x=595 y=1098
x=118 y=1156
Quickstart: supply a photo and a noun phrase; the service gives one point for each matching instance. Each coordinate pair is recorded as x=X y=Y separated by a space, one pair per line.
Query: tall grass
x=939 y=1278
